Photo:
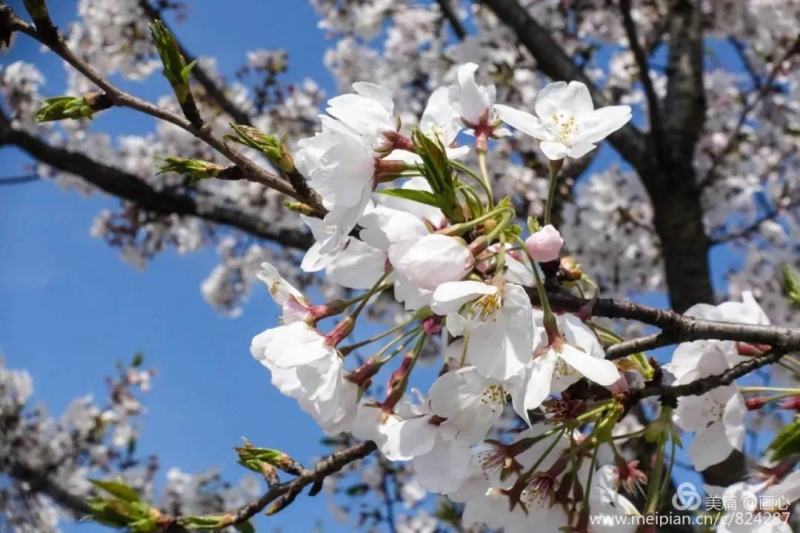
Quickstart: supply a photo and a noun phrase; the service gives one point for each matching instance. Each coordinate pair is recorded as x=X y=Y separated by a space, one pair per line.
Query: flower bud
x=432 y=325
x=756 y=403
x=545 y=245
x=362 y=376
x=746 y=349
x=340 y=331
x=792 y=403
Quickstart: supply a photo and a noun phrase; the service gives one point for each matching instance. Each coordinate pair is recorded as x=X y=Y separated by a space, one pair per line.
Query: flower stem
x=550 y=324
x=350 y=347
x=378 y=287
x=458 y=229
x=654 y=486
x=789 y=391
x=555 y=167
x=406 y=338
x=485 y=176
x=464 y=169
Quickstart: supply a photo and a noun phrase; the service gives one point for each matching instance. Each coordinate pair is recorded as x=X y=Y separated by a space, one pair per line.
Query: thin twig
x=45 y=32
x=19 y=180
x=642 y=63
x=212 y=89
x=733 y=139
x=703 y=385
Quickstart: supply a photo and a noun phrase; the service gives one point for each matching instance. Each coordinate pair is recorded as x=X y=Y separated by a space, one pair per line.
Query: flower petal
x=560 y=97
x=554 y=150
x=522 y=121
x=600 y=371
x=601 y=123
x=710 y=446
x=450 y=296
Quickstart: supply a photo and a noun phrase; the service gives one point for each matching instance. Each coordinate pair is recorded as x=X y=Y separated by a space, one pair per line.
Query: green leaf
x=196 y=169
x=533 y=225
x=357 y=490
x=273 y=148
x=63 y=107
x=791 y=284
x=787 y=442
x=105 y=514
x=186 y=71
x=423 y=197
x=118 y=489
x=138 y=359
x=436 y=169
x=175 y=68
x=255 y=459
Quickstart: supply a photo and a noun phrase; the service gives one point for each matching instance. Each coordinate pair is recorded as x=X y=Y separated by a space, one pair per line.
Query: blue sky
x=70 y=307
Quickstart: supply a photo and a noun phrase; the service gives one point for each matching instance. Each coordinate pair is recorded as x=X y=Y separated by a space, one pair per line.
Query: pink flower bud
x=545 y=245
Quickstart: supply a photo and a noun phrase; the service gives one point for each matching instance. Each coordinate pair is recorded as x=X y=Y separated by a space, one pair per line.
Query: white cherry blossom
x=305 y=366
x=567 y=124
x=471 y=403
x=716 y=417
x=556 y=366
x=497 y=324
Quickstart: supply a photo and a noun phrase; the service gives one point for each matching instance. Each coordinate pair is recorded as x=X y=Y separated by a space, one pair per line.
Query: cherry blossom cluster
x=406 y=217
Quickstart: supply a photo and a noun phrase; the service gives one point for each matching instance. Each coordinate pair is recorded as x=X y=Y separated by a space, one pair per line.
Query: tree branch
x=449 y=13
x=209 y=85
x=40 y=482
x=763 y=89
x=642 y=63
x=676 y=327
x=703 y=385
x=19 y=180
x=129 y=187
x=284 y=493
x=754 y=226
x=46 y=33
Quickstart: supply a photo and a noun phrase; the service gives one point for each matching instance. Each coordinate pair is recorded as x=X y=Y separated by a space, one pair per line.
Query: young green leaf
x=423 y=197
x=786 y=443
x=117 y=489
x=196 y=169
x=791 y=284
x=273 y=148
x=64 y=107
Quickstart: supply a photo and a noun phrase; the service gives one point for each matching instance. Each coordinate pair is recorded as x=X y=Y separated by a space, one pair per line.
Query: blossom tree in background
x=444 y=209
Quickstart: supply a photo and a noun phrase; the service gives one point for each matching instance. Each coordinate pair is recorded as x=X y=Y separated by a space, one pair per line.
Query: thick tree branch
x=449 y=13
x=685 y=102
x=129 y=187
x=675 y=326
